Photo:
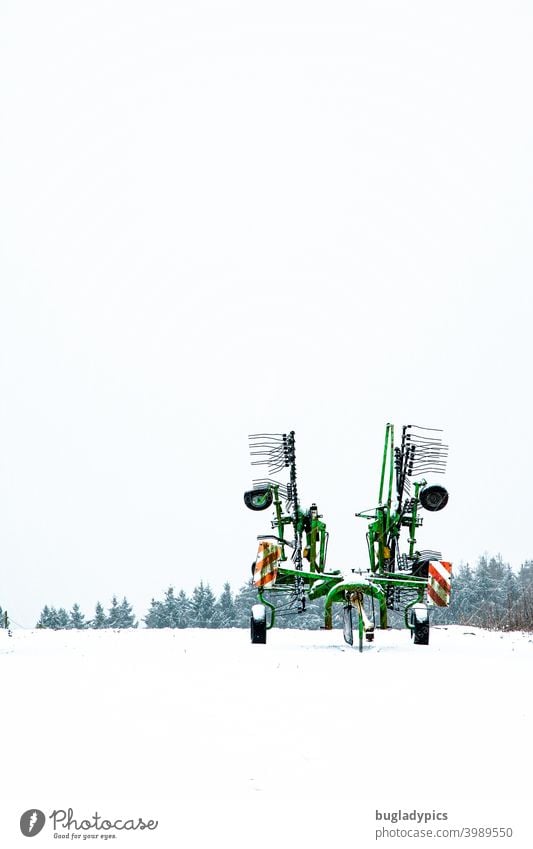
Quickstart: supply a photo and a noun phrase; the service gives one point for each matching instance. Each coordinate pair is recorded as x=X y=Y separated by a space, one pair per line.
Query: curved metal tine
x=429 y=451
x=275 y=464
x=268 y=458
x=412 y=435
x=272 y=457
x=266 y=446
x=267 y=435
x=438 y=468
x=269 y=481
x=417 y=439
x=256 y=450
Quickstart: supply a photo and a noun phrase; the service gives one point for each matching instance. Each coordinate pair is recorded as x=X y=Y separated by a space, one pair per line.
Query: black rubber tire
x=421 y=633
x=433 y=498
x=258 y=630
x=258 y=499
x=347 y=624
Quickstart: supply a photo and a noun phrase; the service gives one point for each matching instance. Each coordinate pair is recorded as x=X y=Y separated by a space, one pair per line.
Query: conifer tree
x=525 y=575
x=245 y=598
x=113 y=614
x=53 y=619
x=77 y=618
x=126 y=615
x=99 y=620
x=225 y=608
x=202 y=606
x=172 y=612
x=155 y=616
x=183 y=610
x=63 y=618
x=169 y=610
x=44 y=619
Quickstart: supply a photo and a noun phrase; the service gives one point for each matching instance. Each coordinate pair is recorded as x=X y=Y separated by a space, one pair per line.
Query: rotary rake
x=290 y=566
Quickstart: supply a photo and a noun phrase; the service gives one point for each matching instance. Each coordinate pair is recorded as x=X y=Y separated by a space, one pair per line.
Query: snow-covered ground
x=221 y=740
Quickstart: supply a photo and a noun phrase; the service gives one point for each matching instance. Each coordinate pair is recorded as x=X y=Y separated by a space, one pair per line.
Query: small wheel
x=369 y=635
x=433 y=498
x=258 y=499
x=347 y=624
x=258 y=624
x=421 y=635
x=420 y=630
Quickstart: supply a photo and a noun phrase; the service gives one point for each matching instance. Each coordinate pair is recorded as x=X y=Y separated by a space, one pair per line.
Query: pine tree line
x=118 y=616
x=489 y=595
x=177 y=610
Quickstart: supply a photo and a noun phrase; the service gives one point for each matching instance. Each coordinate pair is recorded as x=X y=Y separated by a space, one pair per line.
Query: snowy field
x=299 y=740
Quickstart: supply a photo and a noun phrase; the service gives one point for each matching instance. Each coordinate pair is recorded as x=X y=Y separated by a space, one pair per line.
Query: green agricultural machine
x=290 y=566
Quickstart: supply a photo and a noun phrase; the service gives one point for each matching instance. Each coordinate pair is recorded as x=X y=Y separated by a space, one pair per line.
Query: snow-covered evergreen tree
x=44 y=619
x=77 y=618
x=155 y=618
x=113 y=614
x=492 y=582
x=52 y=618
x=202 y=606
x=120 y=615
x=169 y=610
x=225 y=608
x=126 y=615
x=245 y=598
x=464 y=599
x=63 y=618
x=172 y=612
x=183 y=610
x=100 y=620
x=525 y=575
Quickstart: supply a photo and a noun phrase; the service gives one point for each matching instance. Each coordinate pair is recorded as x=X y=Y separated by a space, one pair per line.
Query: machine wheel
x=420 y=630
x=421 y=634
x=433 y=498
x=419 y=623
x=347 y=624
x=258 y=499
x=258 y=624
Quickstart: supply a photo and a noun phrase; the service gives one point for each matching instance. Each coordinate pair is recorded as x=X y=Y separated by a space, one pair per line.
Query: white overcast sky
x=227 y=217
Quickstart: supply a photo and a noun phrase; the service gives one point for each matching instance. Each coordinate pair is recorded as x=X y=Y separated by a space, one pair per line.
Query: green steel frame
x=382 y=578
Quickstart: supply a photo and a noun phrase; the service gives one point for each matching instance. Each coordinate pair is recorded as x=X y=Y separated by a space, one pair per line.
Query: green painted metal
x=393 y=580
x=272 y=608
x=340 y=592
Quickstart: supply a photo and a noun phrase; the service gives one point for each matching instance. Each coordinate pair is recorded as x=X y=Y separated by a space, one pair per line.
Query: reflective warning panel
x=266 y=564
x=439 y=582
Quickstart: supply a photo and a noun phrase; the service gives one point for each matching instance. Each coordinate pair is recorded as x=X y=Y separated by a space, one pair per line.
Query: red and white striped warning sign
x=439 y=582
x=266 y=564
